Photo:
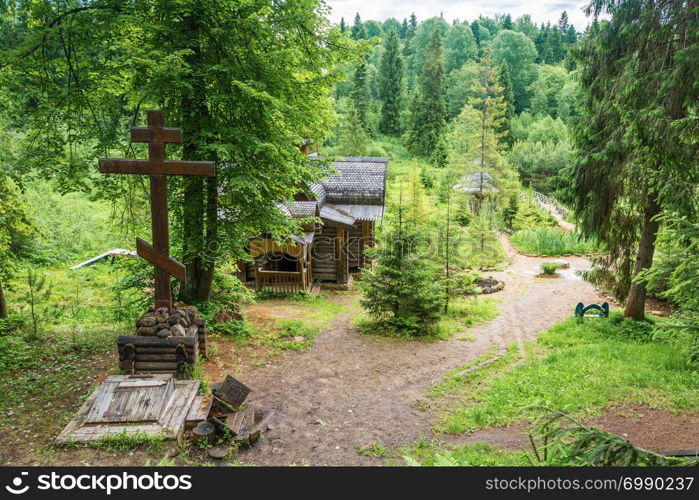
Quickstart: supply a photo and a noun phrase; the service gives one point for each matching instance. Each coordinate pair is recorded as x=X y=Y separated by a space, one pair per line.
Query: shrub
x=549 y=267
x=234 y=328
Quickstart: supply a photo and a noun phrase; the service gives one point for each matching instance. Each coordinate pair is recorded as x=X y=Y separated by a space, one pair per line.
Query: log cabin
x=349 y=204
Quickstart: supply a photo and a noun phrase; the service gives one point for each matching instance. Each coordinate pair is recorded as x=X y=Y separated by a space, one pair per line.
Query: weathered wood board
x=154 y=405
x=232 y=391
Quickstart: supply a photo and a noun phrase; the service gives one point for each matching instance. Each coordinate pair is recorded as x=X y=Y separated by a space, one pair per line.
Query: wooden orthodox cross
x=157 y=167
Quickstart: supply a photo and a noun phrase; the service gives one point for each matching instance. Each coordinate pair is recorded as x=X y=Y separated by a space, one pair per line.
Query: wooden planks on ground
x=133 y=408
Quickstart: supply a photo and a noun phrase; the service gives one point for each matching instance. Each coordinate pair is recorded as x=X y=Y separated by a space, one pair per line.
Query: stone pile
x=181 y=321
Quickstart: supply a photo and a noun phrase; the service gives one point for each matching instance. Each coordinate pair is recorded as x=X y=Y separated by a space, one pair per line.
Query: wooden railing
x=280 y=281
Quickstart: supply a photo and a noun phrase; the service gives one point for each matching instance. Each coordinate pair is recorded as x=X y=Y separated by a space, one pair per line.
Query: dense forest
x=576 y=140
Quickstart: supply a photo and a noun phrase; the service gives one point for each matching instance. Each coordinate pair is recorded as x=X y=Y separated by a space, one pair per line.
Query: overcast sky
x=465 y=10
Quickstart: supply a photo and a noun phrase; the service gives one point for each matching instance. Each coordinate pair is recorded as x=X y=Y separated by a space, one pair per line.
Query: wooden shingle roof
x=357 y=181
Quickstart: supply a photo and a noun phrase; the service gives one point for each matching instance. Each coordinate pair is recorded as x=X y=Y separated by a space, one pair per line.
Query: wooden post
x=341 y=255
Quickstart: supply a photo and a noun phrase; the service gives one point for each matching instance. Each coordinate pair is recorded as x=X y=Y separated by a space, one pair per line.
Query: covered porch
x=281 y=267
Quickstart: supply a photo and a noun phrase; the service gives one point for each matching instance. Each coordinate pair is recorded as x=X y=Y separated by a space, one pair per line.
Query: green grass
x=550 y=242
x=306 y=316
x=435 y=454
x=549 y=267
x=463 y=313
x=576 y=367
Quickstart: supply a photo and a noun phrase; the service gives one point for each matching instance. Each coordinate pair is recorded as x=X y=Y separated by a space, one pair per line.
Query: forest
x=555 y=163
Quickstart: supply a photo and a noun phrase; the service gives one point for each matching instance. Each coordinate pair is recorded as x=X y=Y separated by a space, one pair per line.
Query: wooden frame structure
x=348 y=203
x=150 y=405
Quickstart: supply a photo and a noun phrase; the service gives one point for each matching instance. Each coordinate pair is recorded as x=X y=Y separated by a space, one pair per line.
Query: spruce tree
x=491 y=107
x=428 y=114
x=353 y=137
x=403 y=29
x=508 y=98
x=358 y=31
x=637 y=143
x=402 y=291
x=343 y=26
x=391 y=85
x=506 y=22
x=360 y=94
x=554 y=46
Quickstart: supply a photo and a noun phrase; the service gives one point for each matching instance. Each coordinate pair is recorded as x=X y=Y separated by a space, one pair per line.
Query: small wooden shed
x=349 y=204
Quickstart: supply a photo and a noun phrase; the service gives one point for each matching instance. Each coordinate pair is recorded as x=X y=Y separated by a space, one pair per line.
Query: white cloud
x=379 y=10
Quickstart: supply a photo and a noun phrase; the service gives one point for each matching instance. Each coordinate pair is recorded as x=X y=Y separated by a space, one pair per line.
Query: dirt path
x=351 y=389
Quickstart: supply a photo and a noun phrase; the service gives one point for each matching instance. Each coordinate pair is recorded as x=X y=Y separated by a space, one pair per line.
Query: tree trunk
x=636 y=301
x=200 y=196
x=3 y=304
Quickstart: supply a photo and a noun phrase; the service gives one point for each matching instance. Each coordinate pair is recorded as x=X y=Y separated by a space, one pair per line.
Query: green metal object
x=603 y=310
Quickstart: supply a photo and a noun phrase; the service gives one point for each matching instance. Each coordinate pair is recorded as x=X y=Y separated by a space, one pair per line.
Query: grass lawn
x=464 y=312
x=549 y=242
x=434 y=454
x=575 y=367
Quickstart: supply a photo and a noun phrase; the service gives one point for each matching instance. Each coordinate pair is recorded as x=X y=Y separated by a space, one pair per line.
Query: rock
x=325 y=373
x=174 y=319
x=146 y=320
x=147 y=330
x=198 y=321
x=177 y=331
x=162 y=315
x=218 y=452
x=164 y=333
x=183 y=322
x=489 y=285
x=299 y=339
x=561 y=263
x=192 y=331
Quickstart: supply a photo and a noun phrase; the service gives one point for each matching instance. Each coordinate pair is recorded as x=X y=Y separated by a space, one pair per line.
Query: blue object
x=580 y=310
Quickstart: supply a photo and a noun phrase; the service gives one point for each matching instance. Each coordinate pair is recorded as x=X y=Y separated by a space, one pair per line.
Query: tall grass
x=550 y=242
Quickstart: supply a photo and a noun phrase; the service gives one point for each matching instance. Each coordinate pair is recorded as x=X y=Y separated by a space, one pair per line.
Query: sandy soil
x=351 y=389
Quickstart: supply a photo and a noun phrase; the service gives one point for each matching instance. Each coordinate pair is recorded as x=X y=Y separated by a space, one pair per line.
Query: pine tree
x=637 y=143
x=343 y=26
x=540 y=43
x=510 y=212
x=360 y=92
x=353 y=137
x=563 y=22
x=508 y=98
x=403 y=29
x=391 y=85
x=413 y=22
x=358 y=31
x=428 y=114
x=450 y=248
x=402 y=290
x=440 y=155
x=554 y=46
x=506 y=23
x=491 y=108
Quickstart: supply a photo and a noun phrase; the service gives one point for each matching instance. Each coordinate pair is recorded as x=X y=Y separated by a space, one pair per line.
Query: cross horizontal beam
x=163 y=135
x=150 y=167
x=167 y=264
